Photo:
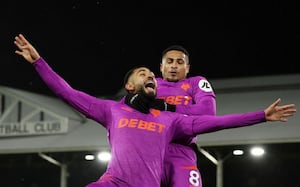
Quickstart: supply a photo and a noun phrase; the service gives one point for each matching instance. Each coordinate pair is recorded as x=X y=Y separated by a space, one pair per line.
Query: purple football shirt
x=137 y=140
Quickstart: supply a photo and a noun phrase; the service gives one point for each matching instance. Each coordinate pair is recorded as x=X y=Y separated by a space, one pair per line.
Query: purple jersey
x=192 y=96
x=137 y=140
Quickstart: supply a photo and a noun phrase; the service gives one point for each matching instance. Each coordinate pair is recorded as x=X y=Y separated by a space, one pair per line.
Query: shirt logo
x=177 y=100
x=185 y=87
x=155 y=112
x=141 y=124
x=204 y=86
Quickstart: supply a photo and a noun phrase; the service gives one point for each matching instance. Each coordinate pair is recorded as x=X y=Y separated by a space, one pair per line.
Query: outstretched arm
x=79 y=100
x=273 y=113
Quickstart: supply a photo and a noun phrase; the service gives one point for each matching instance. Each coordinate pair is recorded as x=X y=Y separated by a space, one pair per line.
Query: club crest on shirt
x=185 y=86
x=204 y=86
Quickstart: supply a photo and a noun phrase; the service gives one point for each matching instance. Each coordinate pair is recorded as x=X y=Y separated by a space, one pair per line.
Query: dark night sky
x=93 y=43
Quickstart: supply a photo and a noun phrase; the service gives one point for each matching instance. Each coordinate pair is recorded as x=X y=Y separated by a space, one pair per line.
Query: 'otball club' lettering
x=141 y=124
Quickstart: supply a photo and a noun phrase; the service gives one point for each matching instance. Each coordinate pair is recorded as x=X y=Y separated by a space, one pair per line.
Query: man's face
x=143 y=81
x=174 y=66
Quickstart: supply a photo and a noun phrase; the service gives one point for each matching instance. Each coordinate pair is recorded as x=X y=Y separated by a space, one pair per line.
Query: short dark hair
x=130 y=72
x=176 y=48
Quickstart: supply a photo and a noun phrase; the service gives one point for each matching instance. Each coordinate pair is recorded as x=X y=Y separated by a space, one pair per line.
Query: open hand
x=279 y=113
x=26 y=49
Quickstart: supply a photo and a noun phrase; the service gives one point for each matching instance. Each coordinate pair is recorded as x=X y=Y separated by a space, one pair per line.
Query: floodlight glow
x=104 y=156
x=89 y=157
x=257 y=151
x=238 y=152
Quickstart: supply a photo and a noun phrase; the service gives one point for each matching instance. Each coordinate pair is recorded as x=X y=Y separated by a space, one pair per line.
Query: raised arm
x=77 y=99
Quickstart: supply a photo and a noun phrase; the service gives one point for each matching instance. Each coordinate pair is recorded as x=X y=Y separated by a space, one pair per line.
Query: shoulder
x=196 y=78
x=159 y=80
x=104 y=103
x=200 y=82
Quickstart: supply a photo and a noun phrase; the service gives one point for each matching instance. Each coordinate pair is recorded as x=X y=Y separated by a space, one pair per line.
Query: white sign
x=33 y=128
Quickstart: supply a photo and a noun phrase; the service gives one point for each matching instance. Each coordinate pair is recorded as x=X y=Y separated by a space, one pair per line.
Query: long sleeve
x=192 y=96
x=203 y=97
x=77 y=99
x=207 y=123
x=204 y=106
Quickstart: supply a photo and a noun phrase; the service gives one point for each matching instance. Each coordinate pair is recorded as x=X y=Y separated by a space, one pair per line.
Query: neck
x=139 y=102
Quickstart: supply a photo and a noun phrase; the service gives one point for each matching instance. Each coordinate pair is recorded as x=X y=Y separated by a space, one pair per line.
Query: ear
x=161 y=67
x=187 y=68
x=129 y=87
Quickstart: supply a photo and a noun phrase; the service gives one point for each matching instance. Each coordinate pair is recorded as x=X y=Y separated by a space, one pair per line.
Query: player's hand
x=26 y=49
x=279 y=113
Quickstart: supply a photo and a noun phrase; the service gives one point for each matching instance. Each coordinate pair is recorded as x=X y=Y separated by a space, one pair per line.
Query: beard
x=141 y=100
x=149 y=95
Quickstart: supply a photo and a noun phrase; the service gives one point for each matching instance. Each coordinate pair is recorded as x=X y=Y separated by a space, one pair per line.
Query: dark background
x=279 y=167
x=92 y=44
